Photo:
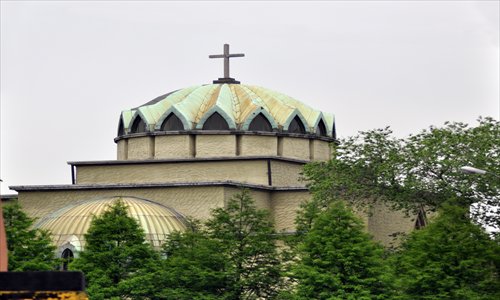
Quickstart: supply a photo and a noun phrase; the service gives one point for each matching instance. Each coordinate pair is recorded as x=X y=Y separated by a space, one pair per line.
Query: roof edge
x=182 y=160
x=35 y=188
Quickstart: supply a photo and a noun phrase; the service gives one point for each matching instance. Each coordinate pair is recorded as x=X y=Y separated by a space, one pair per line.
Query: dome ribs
x=279 y=110
x=221 y=113
x=249 y=103
x=208 y=102
x=189 y=107
x=237 y=104
x=74 y=219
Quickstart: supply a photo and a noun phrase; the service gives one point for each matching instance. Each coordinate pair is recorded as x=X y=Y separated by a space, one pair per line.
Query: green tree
x=422 y=170
x=232 y=256
x=29 y=249
x=451 y=258
x=338 y=259
x=115 y=251
x=192 y=268
x=247 y=241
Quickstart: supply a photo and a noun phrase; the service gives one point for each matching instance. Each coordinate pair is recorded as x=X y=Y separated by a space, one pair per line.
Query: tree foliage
x=338 y=259
x=247 y=241
x=451 y=258
x=29 y=249
x=231 y=256
x=422 y=170
x=115 y=251
x=192 y=268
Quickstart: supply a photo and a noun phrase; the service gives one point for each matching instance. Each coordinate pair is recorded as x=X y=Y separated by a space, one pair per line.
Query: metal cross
x=226 y=57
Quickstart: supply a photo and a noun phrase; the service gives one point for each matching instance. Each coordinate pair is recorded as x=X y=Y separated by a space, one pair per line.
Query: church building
x=187 y=152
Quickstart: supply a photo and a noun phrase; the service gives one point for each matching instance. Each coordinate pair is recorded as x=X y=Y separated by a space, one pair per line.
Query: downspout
x=269 y=173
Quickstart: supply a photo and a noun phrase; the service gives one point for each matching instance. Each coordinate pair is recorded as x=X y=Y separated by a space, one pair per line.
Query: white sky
x=69 y=67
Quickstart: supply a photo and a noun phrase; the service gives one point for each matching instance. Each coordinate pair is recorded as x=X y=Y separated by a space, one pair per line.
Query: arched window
x=260 y=123
x=321 y=128
x=215 y=122
x=121 y=129
x=296 y=126
x=66 y=256
x=172 y=123
x=138 y=126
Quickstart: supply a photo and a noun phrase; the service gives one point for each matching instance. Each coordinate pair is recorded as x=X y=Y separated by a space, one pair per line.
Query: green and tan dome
x=69 y=224
x=233 y=107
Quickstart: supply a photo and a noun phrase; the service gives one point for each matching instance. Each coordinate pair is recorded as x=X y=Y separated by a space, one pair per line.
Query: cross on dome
x=226 y=56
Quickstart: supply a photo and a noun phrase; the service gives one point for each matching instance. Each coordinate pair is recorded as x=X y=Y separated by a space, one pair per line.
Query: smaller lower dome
x=69 y=224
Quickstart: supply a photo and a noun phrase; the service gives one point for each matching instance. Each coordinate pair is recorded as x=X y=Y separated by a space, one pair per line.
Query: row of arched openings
x=217 y=122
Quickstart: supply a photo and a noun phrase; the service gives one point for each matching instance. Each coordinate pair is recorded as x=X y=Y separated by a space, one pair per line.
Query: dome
x=234 y=107
x=69 y=224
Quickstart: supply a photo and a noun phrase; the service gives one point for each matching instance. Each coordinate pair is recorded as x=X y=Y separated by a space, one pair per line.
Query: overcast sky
x=69 y=67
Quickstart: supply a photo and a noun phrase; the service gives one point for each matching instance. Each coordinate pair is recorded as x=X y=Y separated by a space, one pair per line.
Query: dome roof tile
x=237 y=103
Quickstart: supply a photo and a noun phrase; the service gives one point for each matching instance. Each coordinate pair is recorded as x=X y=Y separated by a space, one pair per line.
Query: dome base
x=228 y=80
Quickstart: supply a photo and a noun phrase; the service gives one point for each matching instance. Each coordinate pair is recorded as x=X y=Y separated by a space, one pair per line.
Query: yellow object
x=45 y=295
x=69 y=224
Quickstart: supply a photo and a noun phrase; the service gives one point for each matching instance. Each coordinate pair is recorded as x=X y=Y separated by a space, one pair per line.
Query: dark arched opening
x=296 y=126
x=66 y=257
x=321 y=128
x=260 y=123
x=215 y=122
x=172 y=123
x=138 y=126
x=121 y=128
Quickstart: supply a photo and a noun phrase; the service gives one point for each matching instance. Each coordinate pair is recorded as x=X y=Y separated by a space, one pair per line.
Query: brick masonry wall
x=296 y=148
x=215 y=145
x=284 y=206
x=286 y=174
x=189 y=201
x=262 y=198
x=252 y=145
x=198 y=202
x=384 y=222
x=122 y=149
x=173 y=146
x=140 y=148
x=250 y=171
x=320 y=150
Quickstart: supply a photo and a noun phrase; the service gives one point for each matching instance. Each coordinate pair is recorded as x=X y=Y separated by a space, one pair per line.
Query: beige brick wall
x=189 y=201
x=198 y=202
x=173 y=146
x=296 y=148
x=320 y=150
x=140 y=147
x=122 y=149
x=383 y=222
x=215 y=145
x=286 y=173
x=285 y=205
x=262 y=198
x=184 y=146
x=250 y=171
x=255 y=145
x=364 y=214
